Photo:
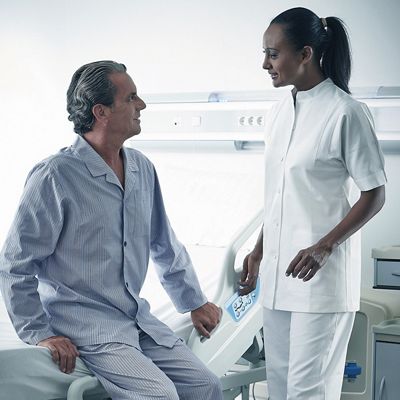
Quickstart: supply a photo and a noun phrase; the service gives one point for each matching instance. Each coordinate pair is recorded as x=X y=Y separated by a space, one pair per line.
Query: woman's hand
x=309 y=261
x=248 y=278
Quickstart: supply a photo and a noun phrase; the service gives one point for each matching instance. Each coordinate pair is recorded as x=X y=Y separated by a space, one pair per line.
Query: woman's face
x=282 y=61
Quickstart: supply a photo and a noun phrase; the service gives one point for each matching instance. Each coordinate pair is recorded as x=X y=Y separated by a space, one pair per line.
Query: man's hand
x=206 y=318
x=308 y=262
x=63 y=351
x=248 y=278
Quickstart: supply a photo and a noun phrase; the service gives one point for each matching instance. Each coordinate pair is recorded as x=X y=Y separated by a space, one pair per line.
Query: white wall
x=168 y=46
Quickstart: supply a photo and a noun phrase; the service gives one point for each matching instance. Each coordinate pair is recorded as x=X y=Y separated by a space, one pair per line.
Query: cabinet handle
x=381 y=386
x=395 y=274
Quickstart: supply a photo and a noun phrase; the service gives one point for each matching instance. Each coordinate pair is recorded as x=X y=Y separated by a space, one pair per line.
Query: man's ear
x=101 y=113
x=307 y=54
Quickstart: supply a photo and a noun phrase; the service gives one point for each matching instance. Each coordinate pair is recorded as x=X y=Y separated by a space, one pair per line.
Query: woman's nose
x=266 y=64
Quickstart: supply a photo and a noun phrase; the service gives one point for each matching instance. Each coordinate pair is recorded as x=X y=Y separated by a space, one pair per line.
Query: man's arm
x=175 y=269
x=32 y=238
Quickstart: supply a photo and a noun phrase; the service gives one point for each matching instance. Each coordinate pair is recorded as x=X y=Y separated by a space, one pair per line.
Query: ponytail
x=326 y=36
x=336 y=59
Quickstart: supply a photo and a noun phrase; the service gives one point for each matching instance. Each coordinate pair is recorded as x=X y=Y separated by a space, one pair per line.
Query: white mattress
x=28 y=372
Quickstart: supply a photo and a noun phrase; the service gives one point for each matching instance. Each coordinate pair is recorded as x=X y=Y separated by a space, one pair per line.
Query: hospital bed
x=234 y=352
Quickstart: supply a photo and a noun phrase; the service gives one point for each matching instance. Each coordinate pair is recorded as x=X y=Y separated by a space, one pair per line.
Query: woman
x=318 y=139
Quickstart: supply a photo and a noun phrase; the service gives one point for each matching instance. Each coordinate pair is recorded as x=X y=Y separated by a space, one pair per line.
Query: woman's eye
x=269 y=54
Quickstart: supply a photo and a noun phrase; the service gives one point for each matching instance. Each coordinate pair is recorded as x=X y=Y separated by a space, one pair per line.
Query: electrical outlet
x=251 y=120
x=260 y=120
x=242 y=121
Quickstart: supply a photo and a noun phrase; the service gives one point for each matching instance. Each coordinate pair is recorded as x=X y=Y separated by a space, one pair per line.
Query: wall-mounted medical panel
x=242 y=116
x=204 y=121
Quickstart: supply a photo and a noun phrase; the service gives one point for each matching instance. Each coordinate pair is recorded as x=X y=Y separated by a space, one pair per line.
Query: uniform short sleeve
x=360 y=150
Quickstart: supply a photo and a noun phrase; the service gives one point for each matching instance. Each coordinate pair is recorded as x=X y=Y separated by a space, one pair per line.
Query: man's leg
x=126 y=373
x=192 y=379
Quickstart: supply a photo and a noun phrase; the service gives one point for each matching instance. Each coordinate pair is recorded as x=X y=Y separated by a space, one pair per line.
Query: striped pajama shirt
x=76 y=258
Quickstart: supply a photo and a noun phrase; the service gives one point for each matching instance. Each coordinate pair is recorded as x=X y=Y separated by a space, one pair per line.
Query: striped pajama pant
x=151 y=372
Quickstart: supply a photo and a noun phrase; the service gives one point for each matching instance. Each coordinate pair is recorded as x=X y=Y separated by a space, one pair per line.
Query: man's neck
x=110 y=152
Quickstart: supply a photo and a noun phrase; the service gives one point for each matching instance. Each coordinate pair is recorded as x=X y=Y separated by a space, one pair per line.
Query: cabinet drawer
x=386 y=371
x=387 y=274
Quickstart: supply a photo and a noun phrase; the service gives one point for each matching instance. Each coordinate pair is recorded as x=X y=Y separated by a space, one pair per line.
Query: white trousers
x=305 y=354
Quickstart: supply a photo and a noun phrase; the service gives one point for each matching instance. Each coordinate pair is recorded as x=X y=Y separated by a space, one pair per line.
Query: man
x=76 y=256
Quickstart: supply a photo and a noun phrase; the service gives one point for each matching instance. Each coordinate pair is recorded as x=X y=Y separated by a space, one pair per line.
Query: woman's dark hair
x=330 y=43
x=90 y=85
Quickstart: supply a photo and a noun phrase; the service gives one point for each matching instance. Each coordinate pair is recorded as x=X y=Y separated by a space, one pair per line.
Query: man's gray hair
x=90 y=85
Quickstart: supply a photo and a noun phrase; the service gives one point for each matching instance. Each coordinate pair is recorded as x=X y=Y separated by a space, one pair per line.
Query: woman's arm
x=251 y=266
x=308 y=261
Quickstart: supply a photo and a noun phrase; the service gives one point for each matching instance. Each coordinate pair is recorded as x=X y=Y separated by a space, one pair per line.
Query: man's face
x=125 y=112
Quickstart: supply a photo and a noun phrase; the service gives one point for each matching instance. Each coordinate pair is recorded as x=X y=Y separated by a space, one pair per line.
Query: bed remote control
x=237 y=306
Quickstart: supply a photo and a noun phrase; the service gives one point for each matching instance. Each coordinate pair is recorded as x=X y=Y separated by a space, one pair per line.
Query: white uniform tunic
x=312 y=148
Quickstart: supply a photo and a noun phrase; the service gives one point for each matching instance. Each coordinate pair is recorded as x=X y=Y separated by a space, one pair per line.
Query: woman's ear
x=307 y=54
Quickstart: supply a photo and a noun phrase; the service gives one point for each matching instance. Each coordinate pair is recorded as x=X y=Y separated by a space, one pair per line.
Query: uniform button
x=282 y=159
x=126 y=284
x=125 y=244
